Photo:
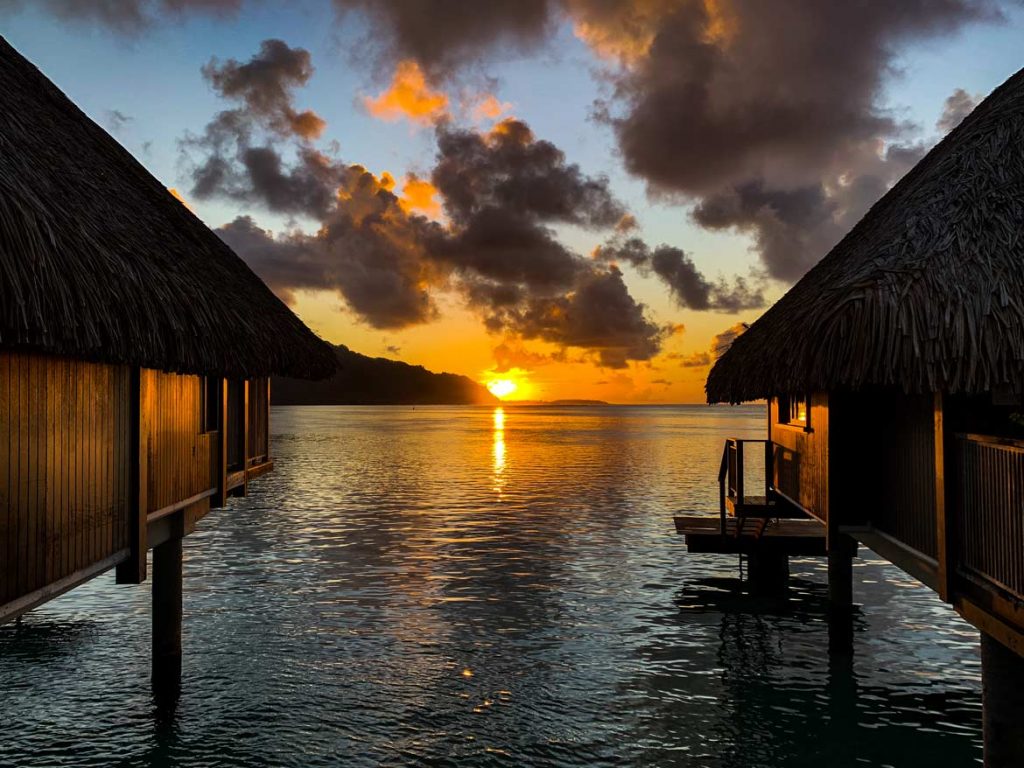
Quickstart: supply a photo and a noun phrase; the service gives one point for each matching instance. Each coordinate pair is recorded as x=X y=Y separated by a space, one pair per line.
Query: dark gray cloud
x=690 y=288
x=598 y=315
x=444 y=35
x=768 y=115
x=265 y=85
x=958 y=105
x=384 y=279
x=124 y=16
x=502 y=192
x=228 y=158
x=510 y=169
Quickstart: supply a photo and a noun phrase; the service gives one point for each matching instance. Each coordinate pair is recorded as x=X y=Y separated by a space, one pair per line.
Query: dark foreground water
x=444 y=586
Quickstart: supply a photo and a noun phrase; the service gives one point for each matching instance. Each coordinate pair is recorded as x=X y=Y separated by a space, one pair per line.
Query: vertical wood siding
x=884 y=454
x=801 y=457
x=178 y=453
x=989 y=499
x=259 y=444
x=63 y=468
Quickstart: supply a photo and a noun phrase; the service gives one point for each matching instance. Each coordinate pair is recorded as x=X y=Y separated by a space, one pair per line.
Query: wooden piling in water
x=1002 y=695
x=768 y=570
x=840 y=572
x=167 y=585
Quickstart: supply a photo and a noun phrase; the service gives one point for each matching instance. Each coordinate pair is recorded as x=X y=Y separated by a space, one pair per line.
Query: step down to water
x=786 y=536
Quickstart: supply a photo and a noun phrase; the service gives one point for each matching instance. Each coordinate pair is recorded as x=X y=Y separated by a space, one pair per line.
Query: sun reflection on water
x=499 y=451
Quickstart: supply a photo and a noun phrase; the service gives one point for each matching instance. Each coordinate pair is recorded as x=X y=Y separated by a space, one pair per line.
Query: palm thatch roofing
x=99 y=261
x=925 y=294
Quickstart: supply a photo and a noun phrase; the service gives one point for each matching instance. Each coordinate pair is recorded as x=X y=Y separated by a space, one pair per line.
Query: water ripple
x=438 y=586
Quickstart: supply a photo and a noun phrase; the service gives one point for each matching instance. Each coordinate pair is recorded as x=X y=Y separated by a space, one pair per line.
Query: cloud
x=116 y=120
x=502 y=192
x=721 y=342
x=129 y=17
x=958 y=105
x=264 y=85
x=697 y=360
x=509 y=168
x=374 y=263
x=766 y=113
x=598 y=315
x=769 y=116
x=443 y=36
x=488 y=107
x=419 y=196
x=410 y=97
x=687 y=284
x=512 y=354
x=180 y=198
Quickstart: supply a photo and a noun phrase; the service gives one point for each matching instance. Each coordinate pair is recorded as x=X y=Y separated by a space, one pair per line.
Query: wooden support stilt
x=840 y=571
x=1002 y=696
x=167 y=582
x=768 y=570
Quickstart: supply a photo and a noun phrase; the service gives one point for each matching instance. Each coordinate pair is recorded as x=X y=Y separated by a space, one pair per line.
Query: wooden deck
x=785 y=536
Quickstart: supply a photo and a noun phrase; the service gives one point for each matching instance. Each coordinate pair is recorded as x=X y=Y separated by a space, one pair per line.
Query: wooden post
x=167 y=578
x=245 y=437
x=739 y=473
x=221 y=497
x=840 y=592
x=945 y=548
x=1002 y=696
x=840 y=571
x=768 y=571
x=133 y=570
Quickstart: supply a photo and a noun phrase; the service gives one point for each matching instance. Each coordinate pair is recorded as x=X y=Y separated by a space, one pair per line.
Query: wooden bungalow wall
x=64 y=427
x=802 y=457
x=178 y=451
x=259 y=420
x=884 y=452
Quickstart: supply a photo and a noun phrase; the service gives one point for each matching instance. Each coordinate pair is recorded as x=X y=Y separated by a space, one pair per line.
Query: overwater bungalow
x=894 y=373
x=135 y=354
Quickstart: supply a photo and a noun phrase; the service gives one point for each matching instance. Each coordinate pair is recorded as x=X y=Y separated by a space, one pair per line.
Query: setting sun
x=502 y=388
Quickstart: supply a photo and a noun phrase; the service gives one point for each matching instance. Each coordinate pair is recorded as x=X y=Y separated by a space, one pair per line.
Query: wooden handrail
x=731 y=473
x=1005 y=442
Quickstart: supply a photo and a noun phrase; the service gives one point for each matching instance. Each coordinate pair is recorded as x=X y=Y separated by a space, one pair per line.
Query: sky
x=559 y=198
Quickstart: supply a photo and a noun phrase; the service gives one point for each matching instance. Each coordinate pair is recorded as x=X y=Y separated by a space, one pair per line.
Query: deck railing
x=989 y=510
x=732 y=475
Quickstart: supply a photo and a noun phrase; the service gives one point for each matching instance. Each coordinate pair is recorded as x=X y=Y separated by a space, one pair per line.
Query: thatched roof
x=925 y=294
x=99 y=261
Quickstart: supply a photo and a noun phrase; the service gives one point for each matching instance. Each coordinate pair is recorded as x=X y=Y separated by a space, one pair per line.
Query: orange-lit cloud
x=624 y=32
x=488 y=107
x=180 y=198
x=419 y=196
x=409 y=96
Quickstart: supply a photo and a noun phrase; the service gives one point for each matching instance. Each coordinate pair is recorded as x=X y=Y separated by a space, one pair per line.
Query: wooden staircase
x=752 y=513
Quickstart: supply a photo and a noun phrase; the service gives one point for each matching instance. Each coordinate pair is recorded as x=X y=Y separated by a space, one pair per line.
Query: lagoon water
x=477 y=586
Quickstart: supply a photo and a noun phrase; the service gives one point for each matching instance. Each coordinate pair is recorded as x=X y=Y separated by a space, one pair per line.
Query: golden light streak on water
x=499 y=451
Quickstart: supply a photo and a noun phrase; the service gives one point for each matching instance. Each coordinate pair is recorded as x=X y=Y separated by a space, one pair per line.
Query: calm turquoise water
x=465 y=586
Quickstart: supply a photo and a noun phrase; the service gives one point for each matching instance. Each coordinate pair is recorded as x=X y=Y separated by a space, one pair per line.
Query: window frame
x=788 y=409
x=209 y=404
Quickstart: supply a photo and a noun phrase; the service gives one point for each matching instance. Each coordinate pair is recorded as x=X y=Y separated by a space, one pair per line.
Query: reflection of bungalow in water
x=894 y=371
x=135 y=351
